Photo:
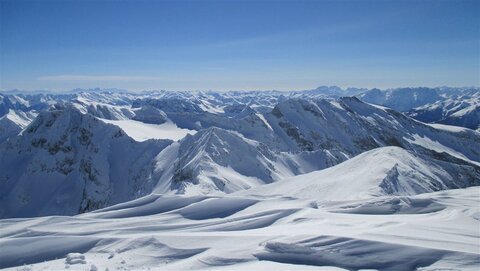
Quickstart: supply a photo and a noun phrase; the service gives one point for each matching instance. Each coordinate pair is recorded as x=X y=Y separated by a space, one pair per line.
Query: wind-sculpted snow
x=254 y=233
x=355 y=254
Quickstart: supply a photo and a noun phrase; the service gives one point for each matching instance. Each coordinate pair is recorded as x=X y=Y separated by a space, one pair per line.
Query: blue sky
x=238 y=45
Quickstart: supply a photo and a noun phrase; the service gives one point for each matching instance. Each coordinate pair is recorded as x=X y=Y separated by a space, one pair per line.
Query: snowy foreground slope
x=325 y=220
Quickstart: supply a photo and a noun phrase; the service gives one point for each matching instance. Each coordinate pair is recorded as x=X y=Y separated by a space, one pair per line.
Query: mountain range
x=155 y=164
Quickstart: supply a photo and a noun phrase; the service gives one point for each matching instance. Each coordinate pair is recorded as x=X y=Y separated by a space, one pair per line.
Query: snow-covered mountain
x=352 y=126
x=229 y=147
x=452 y=106
x=66 y=162
x=461 y=110
x=254 y=180
x=401 y=99
x=300 y=136
x=116 y=104
x=380 y=172
x=216 y=160
x=13 y=122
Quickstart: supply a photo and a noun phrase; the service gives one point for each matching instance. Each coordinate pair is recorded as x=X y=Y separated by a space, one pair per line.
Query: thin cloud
x=69 y=77
x=298 y=34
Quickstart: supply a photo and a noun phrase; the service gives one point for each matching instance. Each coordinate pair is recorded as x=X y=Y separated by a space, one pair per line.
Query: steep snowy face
x=66 y=162
x=106 y=111
x=452 y=106
x=5 y=104
x=379 y=172
x=35 y=102
x=350 y=126
x=401 y=99
x=218 y=160
x=463 y=110
x=467 y=117
x=112 y=106
x=12 y=123
x=106 y=105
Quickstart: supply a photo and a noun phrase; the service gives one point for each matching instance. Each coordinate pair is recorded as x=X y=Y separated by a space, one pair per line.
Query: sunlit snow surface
x=143 y=131
x=436 y=230
x=430 y=231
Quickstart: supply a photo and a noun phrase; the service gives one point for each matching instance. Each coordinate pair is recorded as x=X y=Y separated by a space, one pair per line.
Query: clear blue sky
x=224 y=45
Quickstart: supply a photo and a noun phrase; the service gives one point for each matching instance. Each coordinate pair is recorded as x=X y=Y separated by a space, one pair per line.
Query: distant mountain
x=452 y=106
x=401 y=99
x=462 y=110
x=117 y=103
x=334 y=91
x=98 y=90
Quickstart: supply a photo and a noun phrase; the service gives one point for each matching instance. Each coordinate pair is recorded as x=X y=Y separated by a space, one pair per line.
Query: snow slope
x=66 y=162
x=13 y=122
x=459 y=112
x=379 y=172
x=429 y=231
x=351 y=127
x=141 y=131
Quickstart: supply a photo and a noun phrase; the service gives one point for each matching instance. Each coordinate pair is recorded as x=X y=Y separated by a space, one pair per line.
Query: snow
x=261 y=233
x=269 y=181
x=66 y=162
x=20 y=118
x=334 y=219
x=449 y=128
x=144 y=131
x=379 y=172
x=75 y=258
x=264 y=120
x=435 y=145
